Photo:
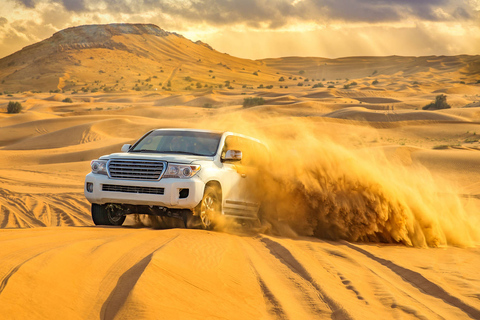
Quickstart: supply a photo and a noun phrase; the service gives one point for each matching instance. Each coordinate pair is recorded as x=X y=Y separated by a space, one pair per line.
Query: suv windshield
x=183 y=142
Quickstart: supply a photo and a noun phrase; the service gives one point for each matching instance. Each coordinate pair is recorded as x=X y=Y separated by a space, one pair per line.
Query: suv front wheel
x=209 y=208
x=101 y=216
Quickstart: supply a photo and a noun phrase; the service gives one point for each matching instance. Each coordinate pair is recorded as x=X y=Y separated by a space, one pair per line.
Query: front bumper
x=171 y=197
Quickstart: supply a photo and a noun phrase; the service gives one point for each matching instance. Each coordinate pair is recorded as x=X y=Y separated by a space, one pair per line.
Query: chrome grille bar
x=135 y=169
x=132 y=189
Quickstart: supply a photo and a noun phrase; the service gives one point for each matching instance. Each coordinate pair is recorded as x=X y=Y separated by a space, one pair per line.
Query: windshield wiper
x=183 y=152
x=175 y=151
x=146 y=150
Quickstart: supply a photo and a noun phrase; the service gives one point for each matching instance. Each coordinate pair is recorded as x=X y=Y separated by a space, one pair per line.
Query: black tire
x=209 y=208
x=103 y=217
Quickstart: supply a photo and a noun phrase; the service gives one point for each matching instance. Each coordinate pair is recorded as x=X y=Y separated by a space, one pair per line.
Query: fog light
x=184 y=193
x=89 y=187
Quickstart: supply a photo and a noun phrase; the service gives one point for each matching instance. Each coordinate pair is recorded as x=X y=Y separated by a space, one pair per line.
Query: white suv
x=182 y=173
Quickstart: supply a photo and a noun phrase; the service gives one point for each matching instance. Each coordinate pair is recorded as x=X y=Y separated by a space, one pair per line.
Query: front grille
x=132 y=189
x=135 y=169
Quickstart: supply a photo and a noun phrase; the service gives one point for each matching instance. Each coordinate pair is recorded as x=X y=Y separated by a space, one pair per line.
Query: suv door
x=242 y=200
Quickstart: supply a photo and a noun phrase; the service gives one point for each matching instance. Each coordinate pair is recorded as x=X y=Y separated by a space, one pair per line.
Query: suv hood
x=168 y=157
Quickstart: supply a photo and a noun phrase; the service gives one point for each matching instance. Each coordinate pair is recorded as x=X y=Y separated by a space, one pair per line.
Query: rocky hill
x=117 y=56
x=144 y=57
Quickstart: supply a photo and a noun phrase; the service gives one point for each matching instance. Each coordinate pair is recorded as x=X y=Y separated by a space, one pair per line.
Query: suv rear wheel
x=209 y=207
x=102 y=216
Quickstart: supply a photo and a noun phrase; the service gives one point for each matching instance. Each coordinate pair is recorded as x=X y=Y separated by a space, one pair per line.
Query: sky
x=259 y=29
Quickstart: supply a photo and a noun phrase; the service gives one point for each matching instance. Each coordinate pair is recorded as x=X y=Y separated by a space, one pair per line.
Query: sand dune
x=363 y=114
x=157 y=273
x=54 y=261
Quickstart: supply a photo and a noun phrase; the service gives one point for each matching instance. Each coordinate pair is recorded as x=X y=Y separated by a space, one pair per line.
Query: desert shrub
x=244 y=86
x=255 y=73
x=300 y=84
x=68 y=100
x=374 y=72
x=462 y=82
x=445 y=146
x=301 y=72
x=230 y=87
x=260 y=86
x=306 y=80
x=286 y=87
x=346 y=86
x=478 y=81
x=14 y=107
x=331 y=86
x=169 y=84
x=318 y=85
x=210 y=71
x=207 y=105
x=281 y=87
x=199 y=85
x=252 y=102
x=161 y=71
x=188 y=78
x=440 y=103
x=281 y=79
x=269 y=87
x=374 y=82
x=188 y=88
x=353 y=83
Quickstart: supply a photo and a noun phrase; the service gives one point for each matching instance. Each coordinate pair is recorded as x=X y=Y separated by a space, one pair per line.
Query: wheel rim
x=207 y=211
x=114 y=218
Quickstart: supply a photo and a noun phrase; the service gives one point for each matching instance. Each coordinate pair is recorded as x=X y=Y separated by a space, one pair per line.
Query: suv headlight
x=181 y=171
x=99 y=166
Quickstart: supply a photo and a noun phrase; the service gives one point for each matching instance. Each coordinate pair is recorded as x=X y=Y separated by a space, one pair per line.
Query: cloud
x=272 y=14
x=74 y=5
x=27 y=3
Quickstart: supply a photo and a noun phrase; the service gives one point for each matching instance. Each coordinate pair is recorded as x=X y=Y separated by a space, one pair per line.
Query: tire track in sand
x=172 y=75
x=421 y=283
x=126 y=283
x=286 y=258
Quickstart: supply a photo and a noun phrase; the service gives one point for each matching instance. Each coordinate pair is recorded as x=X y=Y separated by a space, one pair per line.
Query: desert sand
x=376 y=201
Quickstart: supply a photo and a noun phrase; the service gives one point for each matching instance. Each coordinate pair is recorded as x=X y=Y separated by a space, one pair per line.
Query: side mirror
x=126 y=147
x=233 y=155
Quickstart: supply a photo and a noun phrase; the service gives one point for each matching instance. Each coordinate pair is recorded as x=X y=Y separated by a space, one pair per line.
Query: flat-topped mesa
x=98 y=31
x=100 y=36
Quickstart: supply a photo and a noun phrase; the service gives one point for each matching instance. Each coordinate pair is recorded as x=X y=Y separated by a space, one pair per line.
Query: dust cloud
x=314 y=184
